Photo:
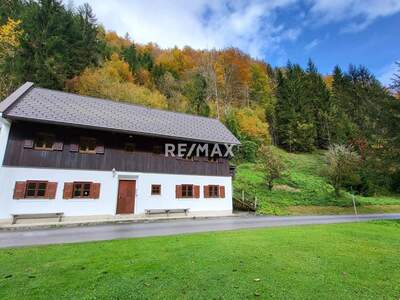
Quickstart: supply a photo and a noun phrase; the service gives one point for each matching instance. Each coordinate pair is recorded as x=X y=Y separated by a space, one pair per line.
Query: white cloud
x=358 y=14
x=250 y=26
x=311 y=45
x=386 y=74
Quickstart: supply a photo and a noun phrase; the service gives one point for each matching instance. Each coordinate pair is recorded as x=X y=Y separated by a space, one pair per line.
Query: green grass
x=346 y=261
x=303 y=184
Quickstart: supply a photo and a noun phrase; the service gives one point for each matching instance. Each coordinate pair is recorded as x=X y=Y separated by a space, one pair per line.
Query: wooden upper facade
x=32 y=144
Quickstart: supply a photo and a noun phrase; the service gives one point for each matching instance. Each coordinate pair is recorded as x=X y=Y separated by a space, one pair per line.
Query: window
x=213 y=191
x=186 y=157
x=36 y=189
x=187 y=191
x=157 y=149
x=87 y=145
x=212 y=159
x=44 y=141
x=156 y=189
x=129 y=147
x=81 y=189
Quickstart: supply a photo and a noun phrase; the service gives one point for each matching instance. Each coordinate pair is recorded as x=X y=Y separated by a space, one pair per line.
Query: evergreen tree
x=196 y=92
x=396 y=80
x=320 y=101
x=131 y=56
x=58 y=43
x=294 y=111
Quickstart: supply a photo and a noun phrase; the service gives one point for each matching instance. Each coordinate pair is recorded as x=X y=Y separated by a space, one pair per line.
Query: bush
x=342 y=167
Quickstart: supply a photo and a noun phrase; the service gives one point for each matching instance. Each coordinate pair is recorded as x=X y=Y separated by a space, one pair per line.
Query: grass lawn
x=303 y=185
x=346 y=261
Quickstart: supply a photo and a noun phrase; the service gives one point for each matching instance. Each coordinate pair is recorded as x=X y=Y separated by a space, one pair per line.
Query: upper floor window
x=212 y=159
x=44 y=141
x=35 y=189
x=87 y=145
x=157 y=149
x=129 y=147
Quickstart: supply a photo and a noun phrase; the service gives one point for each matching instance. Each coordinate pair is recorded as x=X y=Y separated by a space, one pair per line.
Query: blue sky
x=329 y=31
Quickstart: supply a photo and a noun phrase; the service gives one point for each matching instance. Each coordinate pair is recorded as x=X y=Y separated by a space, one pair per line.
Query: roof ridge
x=124 y=102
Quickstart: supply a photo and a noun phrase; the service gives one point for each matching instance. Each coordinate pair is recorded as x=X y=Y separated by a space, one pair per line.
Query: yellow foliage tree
x=10 y=35
x=114 y=81
x=252 y=125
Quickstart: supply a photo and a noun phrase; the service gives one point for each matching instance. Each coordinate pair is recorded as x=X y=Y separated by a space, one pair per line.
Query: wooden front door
x=126 y=197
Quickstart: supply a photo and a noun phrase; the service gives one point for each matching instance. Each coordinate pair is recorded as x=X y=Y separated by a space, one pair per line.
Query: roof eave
x=120 y=130
x=13 y=97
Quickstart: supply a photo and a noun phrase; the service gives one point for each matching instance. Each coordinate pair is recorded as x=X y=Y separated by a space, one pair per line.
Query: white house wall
x=106 y=204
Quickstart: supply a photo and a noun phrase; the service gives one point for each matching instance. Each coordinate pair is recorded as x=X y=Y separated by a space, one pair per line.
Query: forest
x=292 y=108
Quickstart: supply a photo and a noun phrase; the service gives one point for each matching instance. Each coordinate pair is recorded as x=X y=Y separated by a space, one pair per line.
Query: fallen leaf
x=257 y=279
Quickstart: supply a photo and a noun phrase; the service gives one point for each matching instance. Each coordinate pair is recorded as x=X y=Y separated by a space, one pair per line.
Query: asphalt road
x=170 y=227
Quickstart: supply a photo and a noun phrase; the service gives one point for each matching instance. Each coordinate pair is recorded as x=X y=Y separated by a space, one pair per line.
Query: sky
x=330 y=32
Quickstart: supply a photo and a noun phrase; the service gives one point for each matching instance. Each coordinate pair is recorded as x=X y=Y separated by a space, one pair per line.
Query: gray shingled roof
x=55 y=107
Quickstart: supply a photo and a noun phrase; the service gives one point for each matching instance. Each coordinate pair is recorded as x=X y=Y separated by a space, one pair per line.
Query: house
x=85 y=156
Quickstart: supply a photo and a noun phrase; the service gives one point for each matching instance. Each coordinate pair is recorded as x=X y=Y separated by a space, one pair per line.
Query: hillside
x=304 y=189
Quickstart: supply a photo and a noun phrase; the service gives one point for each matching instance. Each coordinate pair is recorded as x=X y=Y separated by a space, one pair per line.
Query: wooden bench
x=37 y=216
x=167 y=211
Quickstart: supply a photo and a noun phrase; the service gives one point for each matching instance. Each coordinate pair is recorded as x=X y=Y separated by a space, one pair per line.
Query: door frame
x=123 y=178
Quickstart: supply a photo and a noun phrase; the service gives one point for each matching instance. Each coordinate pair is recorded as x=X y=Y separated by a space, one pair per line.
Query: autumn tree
x=10 y=36
x=252 y=125
x=114 y=80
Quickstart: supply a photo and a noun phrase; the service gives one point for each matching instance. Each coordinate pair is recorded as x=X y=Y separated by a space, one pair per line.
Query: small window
x=87 y=145
x=191 y=157
x=81 y=189
x=36 y=189
x=129 y=147
x=212 y=159
x=187 y=191
x=157 y=149
x=156 y=189
x=213 y=191
x=44 y=141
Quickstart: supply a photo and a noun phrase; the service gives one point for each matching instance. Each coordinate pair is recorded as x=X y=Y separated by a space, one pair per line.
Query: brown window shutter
x=51 y=190
x=178 y=191
x=196 y=191
x=28 y=143
x=95 y=191
x=100 y=149
x=74 y=147
x=206 y=191
x=68 y=190
x=19 y=190
x=222 y=191
x=58 y=146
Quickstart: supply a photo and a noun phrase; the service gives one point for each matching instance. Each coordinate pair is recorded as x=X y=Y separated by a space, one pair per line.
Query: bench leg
x=14 y=220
